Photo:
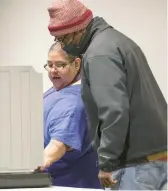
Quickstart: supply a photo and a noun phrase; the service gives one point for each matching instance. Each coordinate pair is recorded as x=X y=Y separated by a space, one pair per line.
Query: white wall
x=24 y=37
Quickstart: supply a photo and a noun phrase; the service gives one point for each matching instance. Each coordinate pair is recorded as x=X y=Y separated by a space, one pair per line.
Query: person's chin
x=57 y=86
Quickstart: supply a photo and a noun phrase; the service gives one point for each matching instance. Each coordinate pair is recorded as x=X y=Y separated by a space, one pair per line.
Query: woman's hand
x=46 y=164
x=54 y=151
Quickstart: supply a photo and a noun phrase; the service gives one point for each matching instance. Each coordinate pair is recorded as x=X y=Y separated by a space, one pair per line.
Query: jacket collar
x=96 y=26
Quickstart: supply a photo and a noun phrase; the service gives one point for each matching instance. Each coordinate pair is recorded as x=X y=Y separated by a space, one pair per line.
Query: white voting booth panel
x=21 y=118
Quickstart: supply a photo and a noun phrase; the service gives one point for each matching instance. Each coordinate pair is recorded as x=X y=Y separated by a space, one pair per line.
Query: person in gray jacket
x=125 y=107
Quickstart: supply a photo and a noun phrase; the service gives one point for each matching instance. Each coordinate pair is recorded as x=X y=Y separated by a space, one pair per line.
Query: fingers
x=38 y=169
x=113 y=181
x=42 y=168
x=108 y=182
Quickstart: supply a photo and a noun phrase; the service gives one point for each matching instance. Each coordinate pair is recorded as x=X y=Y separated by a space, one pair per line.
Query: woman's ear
x=77 y=63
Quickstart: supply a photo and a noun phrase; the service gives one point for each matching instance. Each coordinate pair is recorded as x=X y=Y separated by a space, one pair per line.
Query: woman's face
x=60 y=71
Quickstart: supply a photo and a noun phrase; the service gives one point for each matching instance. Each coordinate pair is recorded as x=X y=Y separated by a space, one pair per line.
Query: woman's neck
x=77 y=82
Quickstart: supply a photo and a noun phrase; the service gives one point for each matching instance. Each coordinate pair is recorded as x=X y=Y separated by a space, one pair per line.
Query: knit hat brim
x=73 y=26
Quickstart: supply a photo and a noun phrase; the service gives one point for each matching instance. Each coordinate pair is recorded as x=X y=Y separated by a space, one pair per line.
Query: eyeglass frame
x=60 y=62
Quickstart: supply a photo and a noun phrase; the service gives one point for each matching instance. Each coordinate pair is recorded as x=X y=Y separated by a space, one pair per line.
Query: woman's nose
x=53 y=71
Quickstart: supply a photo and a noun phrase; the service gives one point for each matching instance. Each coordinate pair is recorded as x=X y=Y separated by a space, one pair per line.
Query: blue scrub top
x=65 y=120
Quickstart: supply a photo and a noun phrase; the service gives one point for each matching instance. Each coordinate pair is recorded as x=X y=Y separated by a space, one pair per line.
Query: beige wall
x=24 y=38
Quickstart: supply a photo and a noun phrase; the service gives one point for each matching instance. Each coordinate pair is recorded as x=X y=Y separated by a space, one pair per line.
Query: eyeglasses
x=56 y=65
x=65 y=39
x=60 y=41
x=59 y=64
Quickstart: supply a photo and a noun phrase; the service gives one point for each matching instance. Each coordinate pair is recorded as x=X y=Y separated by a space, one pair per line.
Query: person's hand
x=37 y=169
x=47 y=163
x=106 y=179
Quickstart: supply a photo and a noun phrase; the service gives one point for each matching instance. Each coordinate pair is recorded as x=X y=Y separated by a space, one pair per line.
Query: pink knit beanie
x=68 y=16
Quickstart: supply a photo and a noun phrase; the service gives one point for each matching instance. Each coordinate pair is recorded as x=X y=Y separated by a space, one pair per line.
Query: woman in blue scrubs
x=68 y=155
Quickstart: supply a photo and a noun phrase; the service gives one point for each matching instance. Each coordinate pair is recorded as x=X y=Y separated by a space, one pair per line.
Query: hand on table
x=47 y=163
